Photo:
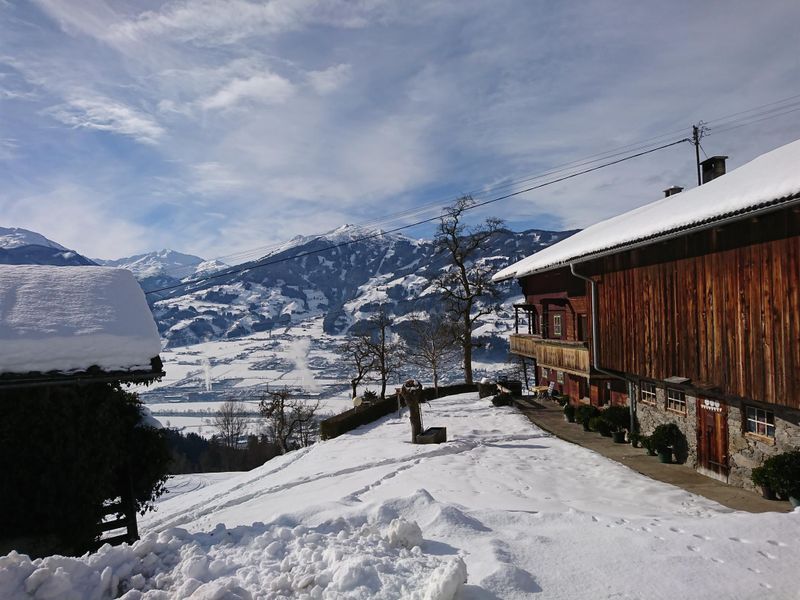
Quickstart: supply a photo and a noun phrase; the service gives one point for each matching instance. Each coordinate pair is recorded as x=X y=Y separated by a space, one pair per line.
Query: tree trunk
x=354 y=383
x=383 y=388
x=467 y=349
x=412 y=394
x=435 y=383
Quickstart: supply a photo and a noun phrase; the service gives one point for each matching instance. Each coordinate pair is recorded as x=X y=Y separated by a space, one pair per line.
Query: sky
x=219 y=127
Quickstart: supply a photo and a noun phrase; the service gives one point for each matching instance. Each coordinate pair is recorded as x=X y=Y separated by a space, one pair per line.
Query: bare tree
x=359 y=356
x=291 y=420
x=431 y=345
x=231 y=422
x=466 y=285
x=386 y=352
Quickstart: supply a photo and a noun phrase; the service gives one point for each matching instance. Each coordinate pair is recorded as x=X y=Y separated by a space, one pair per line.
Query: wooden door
x=712 y=435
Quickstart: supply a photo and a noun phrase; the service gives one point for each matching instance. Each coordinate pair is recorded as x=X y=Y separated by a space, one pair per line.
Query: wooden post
x=412 y=394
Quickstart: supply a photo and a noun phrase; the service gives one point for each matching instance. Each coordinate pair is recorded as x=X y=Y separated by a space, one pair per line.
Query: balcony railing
x=569 y=356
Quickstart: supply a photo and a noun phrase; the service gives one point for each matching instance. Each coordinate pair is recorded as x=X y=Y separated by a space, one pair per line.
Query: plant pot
x=569 y=418
x=605 y=433
x=795 y=501
x=586 y=426
x=619 y=437
x=651 y=452
x=665 y=456
x=767 y=492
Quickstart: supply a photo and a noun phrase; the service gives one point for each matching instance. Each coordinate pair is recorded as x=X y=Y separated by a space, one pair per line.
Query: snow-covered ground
x=201 y=376
x=523 y=514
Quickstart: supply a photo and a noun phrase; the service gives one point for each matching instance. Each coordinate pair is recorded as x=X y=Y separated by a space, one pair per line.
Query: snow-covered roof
x=67 y=319
x=767 y=179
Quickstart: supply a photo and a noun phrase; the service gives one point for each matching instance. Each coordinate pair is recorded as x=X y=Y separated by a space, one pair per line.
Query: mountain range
x=344 y=275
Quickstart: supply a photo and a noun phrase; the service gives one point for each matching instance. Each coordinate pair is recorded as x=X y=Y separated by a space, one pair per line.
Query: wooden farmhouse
x=69 y=336
x=688 y=308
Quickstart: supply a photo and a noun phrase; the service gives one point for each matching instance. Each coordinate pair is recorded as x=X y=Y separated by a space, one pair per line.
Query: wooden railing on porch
x=569 y=356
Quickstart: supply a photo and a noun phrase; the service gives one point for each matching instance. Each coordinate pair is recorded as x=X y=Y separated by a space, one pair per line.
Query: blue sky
x=214 y=127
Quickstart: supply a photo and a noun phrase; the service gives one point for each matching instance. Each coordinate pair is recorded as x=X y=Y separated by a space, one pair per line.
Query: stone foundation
x=651 y=416
x=745 y=450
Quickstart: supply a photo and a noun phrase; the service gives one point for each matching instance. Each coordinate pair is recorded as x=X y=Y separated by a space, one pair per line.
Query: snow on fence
x=362 y=415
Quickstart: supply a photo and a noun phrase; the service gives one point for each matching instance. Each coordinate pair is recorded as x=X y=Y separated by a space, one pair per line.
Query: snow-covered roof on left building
x=69 y=319
x=764 y=182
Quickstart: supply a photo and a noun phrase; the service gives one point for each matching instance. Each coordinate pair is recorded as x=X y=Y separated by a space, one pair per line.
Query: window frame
x=557 y=325
x=670 y=402
x=560 y=377
x=756 y=422
x=652 y=396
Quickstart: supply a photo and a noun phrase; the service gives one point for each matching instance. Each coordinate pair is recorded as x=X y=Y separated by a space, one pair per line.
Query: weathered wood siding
x=722 y=308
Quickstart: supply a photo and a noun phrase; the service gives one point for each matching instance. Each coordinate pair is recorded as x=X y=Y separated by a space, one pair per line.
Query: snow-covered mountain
x=345 y=275
x=24 y=247
x=163 y=268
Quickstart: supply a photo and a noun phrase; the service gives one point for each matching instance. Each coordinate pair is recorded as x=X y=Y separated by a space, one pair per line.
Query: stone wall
x=746 y=450
x=650 y=416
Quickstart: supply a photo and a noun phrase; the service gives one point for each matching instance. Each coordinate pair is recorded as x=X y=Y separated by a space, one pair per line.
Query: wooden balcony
x=572 y=357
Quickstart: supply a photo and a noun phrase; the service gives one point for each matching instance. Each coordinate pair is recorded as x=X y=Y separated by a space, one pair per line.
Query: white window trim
x=756 y=421
x=680 y=401
x=557 y=325
x=648 y=397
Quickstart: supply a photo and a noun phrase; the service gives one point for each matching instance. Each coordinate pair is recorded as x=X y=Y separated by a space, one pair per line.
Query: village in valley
x=538 y=339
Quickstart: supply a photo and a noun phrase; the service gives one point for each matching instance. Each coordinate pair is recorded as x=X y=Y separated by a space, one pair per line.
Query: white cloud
x=330 y=79
x=105 y=114
x=78 y=218
x=266 y=88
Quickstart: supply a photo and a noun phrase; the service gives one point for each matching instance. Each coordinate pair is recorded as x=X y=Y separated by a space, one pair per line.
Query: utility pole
x=697 y=134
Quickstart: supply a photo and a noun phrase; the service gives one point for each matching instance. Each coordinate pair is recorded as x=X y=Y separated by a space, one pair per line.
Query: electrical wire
x=373 y=235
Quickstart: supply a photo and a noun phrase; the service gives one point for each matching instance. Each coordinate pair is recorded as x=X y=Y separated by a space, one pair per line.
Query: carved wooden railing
x=564 y=355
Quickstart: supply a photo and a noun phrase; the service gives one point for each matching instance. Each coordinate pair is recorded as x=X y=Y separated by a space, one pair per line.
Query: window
x=557 y=325
x=560 y=377
x=545 y=373
x=647 y=393
x=760 y=422
x=676 y=401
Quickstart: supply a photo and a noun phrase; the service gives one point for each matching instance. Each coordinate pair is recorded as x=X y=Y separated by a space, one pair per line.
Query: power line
x=370 y=236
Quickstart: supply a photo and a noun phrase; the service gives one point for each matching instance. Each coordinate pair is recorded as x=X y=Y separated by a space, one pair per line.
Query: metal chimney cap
x=713 y=159
x=672 y=190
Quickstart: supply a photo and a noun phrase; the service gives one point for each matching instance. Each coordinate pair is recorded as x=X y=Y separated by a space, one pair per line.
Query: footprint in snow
x=776 y=543
x=767 y=555
x=740 y=540
x=719 y=561
x=701 y=537
x=676 y=530
x=754 y=570
x=693 y=548
x=765 y=585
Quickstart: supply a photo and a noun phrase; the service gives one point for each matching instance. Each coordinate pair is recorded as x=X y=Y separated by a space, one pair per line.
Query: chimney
x=713 y=167
x=672 y=190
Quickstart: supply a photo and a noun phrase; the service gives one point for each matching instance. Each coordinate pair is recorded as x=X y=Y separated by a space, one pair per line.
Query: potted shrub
x=569 y=413
x=619 y=418
x=781 y=473
x=647 y=443
x=762 y=481
x=600 y=425
x=665 y=437
x=635 y=439
x=584 y=413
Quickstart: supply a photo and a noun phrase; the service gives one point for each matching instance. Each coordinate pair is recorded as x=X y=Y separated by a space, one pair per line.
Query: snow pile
x=339 y=559
x=71 y=318
x=769 y=177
